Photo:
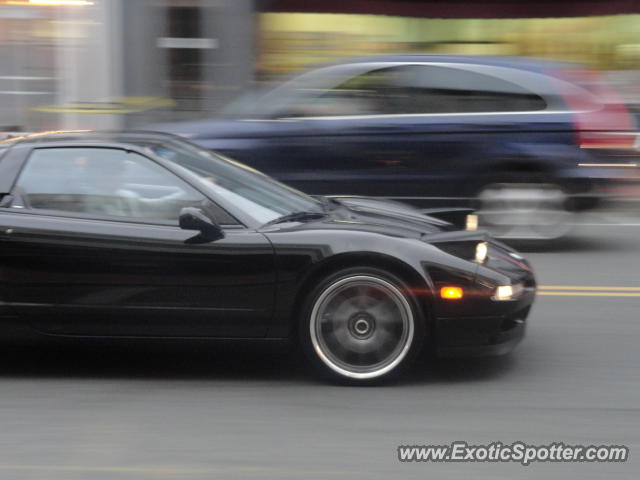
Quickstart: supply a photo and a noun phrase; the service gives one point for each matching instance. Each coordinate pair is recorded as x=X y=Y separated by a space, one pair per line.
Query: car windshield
x=255 y=193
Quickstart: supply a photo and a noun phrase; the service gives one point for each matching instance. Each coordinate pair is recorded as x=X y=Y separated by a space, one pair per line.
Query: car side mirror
x=194 y=218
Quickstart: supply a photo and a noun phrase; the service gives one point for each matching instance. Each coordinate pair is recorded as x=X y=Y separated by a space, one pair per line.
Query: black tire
x=361 y=326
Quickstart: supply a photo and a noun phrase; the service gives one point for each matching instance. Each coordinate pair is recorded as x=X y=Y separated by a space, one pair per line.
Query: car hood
x=377 y=216
x=389 y=212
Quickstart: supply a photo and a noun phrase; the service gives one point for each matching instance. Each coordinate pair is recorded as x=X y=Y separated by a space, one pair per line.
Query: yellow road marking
x=566 y=287
x=590 y=294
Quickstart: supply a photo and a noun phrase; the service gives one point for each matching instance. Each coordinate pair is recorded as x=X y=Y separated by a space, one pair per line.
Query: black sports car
x=147 y=235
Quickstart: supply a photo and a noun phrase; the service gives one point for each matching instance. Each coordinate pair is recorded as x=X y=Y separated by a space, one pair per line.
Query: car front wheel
x=361 y=326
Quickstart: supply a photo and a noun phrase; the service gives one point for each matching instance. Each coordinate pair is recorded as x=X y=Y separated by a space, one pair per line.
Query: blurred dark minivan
x=526 y=142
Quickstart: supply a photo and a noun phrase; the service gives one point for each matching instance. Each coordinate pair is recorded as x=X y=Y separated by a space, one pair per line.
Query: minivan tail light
x=601 y=121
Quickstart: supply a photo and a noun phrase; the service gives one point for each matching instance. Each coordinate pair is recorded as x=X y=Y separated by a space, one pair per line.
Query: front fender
x=301 y=263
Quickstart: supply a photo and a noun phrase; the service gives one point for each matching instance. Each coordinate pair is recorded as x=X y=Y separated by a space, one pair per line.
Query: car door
x=90 y=245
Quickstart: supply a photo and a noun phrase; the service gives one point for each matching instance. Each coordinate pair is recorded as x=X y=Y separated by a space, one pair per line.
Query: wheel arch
x=421 y=290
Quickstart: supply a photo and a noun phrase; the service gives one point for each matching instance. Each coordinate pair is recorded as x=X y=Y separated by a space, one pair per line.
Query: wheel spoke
x=385 y=341
x=385 y=313
x=344 y=310
x=358 y=300
x=341 y=334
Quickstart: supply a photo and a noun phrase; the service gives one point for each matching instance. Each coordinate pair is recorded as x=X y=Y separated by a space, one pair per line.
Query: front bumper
x=477 y=337
x=479 y=324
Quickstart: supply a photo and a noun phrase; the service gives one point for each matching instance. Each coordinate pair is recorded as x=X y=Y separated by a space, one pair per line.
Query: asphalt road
x=79 y=412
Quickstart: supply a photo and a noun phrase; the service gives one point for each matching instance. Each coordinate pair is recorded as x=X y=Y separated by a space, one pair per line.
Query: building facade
x=120 y=63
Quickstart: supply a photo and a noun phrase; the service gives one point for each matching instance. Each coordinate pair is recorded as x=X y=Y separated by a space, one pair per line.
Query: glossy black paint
x=62 y=274
x=83 y=277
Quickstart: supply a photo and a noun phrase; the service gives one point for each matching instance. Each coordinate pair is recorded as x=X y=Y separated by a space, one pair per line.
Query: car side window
x=371 y=93
x=438 y=89
x=416 y=89
x=102 y=182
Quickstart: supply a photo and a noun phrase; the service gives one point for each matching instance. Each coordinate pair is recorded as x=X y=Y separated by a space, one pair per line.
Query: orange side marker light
x=451 y=293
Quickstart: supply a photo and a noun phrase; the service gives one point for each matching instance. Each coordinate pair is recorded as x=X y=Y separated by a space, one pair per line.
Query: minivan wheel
x=361 y=326
x=535 y=211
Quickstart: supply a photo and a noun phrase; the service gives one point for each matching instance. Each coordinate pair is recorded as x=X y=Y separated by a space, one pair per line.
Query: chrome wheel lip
x=401 y=302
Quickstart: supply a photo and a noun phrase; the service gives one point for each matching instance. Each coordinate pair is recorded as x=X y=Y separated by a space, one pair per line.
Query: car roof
x=523 y=63
x=133 y=138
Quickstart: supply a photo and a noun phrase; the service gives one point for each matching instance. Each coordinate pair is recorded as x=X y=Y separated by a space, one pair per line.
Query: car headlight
x=508 y=292
x=482 y=250
x=472 y=251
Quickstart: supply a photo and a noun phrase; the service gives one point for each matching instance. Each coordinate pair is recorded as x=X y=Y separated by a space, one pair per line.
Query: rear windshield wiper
x=296 y=217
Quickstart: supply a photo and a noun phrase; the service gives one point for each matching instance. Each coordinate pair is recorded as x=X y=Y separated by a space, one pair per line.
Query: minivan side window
x=371 y=93
x=416 y=89
x=102 y=182
x=438 y=89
